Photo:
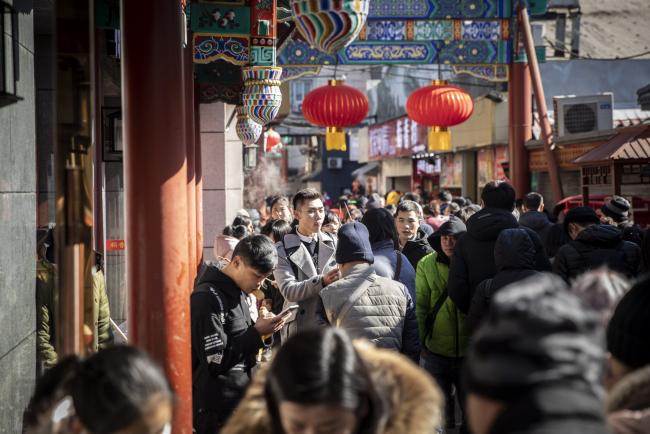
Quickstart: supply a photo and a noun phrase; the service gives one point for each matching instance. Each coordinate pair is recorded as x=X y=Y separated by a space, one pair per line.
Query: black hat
x=353 y=244
x=629 y=327
x=616 y=207
x=581 y=214
x=536 y=334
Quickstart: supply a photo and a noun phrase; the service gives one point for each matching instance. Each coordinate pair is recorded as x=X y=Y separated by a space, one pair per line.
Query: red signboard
x=395 y=138
x=113 y=245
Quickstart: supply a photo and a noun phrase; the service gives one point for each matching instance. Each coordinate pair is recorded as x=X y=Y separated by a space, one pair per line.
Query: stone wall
x=18 y=236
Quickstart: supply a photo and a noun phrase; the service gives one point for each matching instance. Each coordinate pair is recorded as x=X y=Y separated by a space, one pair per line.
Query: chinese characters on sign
x=395 y=138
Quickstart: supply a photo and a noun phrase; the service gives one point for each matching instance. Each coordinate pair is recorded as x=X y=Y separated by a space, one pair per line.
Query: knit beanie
x=581 y=214
x=628 y=332
x=536 y=334
x=353 y=244
x=616 y=207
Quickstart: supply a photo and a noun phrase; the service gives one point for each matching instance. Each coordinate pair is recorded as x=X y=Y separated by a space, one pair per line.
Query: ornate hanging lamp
x=439 y=106
x=262 y=96
x=247 y=129
x=335 y=106
x=273 y=139
x=330 y=25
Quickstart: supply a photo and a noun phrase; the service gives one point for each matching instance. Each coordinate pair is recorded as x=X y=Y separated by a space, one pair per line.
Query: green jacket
x=448 y=337
x=45 y=333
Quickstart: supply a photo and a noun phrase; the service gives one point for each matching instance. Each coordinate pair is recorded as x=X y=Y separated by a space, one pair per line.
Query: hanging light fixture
x=273 y=139
x=247 y=129
x=330 y=25
x=335 y=106
x=250 y=157
x=439 y=106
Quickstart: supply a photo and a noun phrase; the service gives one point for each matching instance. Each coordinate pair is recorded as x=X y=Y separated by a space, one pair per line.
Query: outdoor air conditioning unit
x=335 y=163
x=583 y=114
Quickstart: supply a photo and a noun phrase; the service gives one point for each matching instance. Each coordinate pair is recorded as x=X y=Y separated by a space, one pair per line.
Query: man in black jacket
x=473 y=259
x=412 y=238
x=224 y=338
x=593 y=245
x=534 y=216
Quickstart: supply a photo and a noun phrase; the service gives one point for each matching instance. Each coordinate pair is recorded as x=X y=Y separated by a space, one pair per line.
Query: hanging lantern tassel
x=439 y=139
x=335 y=139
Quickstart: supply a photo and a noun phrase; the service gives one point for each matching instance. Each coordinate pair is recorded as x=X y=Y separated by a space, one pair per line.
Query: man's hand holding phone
x=331 y=276
x=273 y=323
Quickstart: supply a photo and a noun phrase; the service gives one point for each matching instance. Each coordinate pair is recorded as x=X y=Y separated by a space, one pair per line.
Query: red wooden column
x=155 y=171
x=188 y=80
x=198 y=178
x=520 y=120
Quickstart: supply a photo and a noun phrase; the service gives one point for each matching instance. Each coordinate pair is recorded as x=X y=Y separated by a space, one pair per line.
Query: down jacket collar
x=487 y=224
x=628 y=405
x=413 y=401
x=514 y=250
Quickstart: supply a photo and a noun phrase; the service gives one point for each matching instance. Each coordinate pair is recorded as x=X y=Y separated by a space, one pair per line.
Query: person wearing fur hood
x=321 y=381
x=628 y=401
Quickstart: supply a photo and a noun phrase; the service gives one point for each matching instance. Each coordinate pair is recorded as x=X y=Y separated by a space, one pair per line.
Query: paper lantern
x=335 y=106
x=272 y=139
x=247 y=129
x=330 y=25
x=439 y=106
x=262 y=96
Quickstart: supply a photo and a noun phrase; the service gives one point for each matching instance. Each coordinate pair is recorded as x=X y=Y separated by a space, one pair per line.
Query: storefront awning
x=631 y=143
x=367 y=169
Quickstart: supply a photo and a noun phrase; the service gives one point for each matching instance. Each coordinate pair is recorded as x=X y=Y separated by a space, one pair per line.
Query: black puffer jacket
x=595 y=246
x=514 y=256
x=537 y=221
x=473 y=260
x=417 y=249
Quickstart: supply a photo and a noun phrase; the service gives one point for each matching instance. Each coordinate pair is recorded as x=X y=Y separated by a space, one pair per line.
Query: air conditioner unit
x=335 y=163
x=583 y=114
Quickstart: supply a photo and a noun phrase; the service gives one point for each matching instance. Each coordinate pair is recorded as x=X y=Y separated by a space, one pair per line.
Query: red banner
x=114 y=245
x=395 y=138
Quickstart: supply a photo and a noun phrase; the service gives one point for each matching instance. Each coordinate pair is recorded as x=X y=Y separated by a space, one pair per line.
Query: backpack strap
x=354 y=297
x=433 y=313
x=398 y=267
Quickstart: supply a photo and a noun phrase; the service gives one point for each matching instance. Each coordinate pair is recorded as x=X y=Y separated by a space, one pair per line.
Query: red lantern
x=439 y=106
x=335 y=106
x=272 y=139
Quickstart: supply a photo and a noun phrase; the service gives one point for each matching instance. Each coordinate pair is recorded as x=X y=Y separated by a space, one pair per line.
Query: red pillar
x=520 y=116
x=198 y=178
x=156 y=192
x=188 y=81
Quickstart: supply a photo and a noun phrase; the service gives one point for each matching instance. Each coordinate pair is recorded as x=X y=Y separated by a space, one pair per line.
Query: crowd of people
x=416 y=314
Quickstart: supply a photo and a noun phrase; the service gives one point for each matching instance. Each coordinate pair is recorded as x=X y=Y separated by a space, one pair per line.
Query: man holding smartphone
x=224 y=338
x=306 y=262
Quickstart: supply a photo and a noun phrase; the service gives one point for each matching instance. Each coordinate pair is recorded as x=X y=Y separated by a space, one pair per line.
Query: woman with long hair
x=321 y=382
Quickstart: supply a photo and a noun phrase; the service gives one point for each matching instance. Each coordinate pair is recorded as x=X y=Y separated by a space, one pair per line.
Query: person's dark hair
x=279 y=199
x=408 y=206
x=99 y=261
x=258 y=252
x=110 y=390
x=330 y=217
x=445 y=196
x=276 y=229
x=304 y=195
x=468 y=201
x=460 y=201
x=391 y=208
x=412 y=196
x=533 y=200
x=241 y=220
x=498 y=194
x=321 y=366
x=240 y=232
x=227 y=231
x=466 y=212
x=381 y=226
x=519 y=203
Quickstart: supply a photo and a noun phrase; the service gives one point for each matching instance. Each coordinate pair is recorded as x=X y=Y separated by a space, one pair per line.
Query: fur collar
x=414 y=401
x=632 y=392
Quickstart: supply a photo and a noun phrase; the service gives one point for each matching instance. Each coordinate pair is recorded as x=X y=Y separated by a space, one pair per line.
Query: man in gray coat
x=367 y=305
x=305 y=262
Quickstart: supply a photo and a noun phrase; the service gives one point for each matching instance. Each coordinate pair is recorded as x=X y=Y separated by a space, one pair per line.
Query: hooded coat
x=412 y=402
x=473 y=260
x=537 y=221
x=446 y=336
x=417 y=248
x=385 y=265
x=628 y=405
x=514 y=256
x=594 y=246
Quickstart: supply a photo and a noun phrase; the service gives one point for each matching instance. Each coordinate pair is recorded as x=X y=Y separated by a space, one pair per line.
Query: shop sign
x=597 y=175
x=428 y=166
x=451 y=175
x=565 y=156
x=115 y=245
x=396 y=138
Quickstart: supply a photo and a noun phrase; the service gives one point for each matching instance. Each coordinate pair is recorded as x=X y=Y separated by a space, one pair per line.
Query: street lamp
x=250 y=157
x=9 y=72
